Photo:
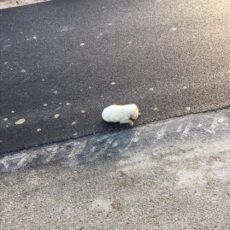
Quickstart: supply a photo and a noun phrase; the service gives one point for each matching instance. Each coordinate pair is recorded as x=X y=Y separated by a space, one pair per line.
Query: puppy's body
x=121 y=113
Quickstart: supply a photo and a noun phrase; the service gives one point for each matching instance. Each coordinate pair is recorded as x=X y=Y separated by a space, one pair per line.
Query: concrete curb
x=4 y=4
x=122 y=144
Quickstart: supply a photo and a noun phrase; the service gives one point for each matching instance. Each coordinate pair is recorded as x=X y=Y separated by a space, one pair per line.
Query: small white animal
x=124 y=114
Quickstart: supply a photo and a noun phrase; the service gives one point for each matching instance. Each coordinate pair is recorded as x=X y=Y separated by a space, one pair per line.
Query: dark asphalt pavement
x=63 y=61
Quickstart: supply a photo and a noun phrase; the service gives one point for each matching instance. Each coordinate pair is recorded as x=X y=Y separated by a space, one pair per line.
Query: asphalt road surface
x=62 y=62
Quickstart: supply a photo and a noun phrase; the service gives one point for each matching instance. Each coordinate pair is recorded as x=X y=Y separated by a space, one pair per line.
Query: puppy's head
x=133 y=111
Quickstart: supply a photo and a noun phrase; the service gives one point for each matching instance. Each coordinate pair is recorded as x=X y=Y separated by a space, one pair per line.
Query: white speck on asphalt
x=90 y=87
x=5 y=119
x=45 y=104
x=100 y=34
x=27 y=39
x=34 y=37
x=82 y=44
x=60 y=103
x=43 y=79
x=5 y=63
x=82 y=111
x=68 y=104
x=56 y=116
x=12 y=111
x=188 y=108
x=23 y=71
x=74 y=123
x=129 y=42
x=75 y=134
x=55 y=92
x=113 y=83
x=110 y=24
x=151 y=89
x=20 y=121
x=184 y=87
x=39 y=130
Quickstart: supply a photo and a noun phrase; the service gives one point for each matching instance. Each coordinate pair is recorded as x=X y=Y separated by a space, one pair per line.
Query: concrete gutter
x=4 y=4
x=173 y=174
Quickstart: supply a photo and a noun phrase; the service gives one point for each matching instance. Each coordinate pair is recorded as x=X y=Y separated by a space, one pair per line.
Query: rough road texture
x=63 y=61
x=167 y=175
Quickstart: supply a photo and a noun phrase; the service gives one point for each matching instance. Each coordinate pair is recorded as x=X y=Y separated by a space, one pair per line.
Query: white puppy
x=121 y=113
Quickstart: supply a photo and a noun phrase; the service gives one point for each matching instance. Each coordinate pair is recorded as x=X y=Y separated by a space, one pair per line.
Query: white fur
x=121 y=113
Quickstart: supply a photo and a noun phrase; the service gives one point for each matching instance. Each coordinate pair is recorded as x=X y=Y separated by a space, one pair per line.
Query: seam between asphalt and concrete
x=193 y=129
x=114 y=129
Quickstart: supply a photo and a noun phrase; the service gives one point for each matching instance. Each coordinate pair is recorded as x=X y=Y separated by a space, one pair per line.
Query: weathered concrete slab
x=173 y=174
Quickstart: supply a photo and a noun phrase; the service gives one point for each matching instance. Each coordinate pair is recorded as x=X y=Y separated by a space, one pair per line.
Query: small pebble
x=39 y=130
x=34 y=37
x=188 y=108
x=75 y=134
x=74 y=123
x=82 y=44
x=45 y=104
x=56 y=115
x=23 y=71
x=151 y=89
x=184 y=87
x=173 y=29
x=5 y=119
x=113 y=83
x=55 y=92
x=68 y=104
x=5 y=63
x=20 y=121
x=12 y=111
x=82 y=111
